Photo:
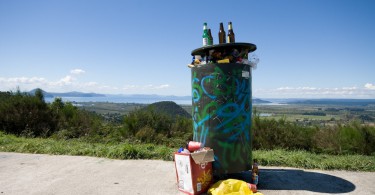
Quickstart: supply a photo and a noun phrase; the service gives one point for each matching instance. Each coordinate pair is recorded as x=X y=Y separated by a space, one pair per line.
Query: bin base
x=244 y=176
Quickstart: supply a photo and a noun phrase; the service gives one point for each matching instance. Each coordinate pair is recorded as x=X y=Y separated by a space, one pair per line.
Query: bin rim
x=204 y=50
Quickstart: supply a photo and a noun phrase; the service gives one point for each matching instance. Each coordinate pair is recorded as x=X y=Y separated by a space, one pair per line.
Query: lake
x=124 y=99
x=139 y=99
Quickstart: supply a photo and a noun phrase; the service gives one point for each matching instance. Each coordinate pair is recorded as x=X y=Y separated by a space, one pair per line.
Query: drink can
x=252 y=187
x=193 y=146
x=255 y=179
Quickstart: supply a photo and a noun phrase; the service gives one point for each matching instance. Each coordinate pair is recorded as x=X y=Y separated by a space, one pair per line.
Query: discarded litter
x=224 y=55
x=252 y=187
x=194 y=168
x=193 y=146
x=194 y=173
x=207 y=37
x=221 y=54
x=255 y=172
x=232 y=186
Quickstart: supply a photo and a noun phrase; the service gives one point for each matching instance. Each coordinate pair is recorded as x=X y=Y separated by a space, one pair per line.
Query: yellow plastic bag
x=230 y=187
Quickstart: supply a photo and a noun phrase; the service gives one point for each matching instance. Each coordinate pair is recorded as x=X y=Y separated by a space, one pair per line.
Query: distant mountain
x=45 y=94
x=77 y=94
x=150 y=96
x=68 y=94
x=346 y=102
x=135 y=96
x=259 y=101
x=169 y=108
x=172 y=97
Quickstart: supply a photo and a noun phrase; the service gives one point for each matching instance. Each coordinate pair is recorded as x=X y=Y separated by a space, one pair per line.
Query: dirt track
x=46 y=174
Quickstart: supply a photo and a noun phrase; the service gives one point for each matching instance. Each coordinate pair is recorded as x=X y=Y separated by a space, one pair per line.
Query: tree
x=39 y=94
x=22 y=113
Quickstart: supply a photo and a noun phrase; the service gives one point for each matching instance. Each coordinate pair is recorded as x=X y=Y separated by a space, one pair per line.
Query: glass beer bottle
x=205 y=34
x=230 y=36
x=221 y=34
x=210 y=39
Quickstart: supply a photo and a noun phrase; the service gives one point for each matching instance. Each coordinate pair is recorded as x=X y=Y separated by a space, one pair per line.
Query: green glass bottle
x=205 y=34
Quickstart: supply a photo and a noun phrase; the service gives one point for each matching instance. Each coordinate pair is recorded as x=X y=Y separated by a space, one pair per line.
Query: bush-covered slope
x=169 y=108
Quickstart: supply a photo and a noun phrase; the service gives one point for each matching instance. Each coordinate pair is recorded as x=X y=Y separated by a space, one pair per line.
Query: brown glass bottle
x=221 y=34
x=210 y=39
x=230 y=36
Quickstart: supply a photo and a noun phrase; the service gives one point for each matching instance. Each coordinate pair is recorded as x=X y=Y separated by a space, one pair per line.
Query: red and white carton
x=194 y=171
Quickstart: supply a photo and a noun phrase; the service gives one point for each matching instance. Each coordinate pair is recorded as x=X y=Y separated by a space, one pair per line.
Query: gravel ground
x=49 y=174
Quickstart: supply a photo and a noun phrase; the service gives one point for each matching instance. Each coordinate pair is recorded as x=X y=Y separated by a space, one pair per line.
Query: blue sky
x=307 y=48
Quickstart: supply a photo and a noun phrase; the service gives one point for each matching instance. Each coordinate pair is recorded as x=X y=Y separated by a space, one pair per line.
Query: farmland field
x=305 y=114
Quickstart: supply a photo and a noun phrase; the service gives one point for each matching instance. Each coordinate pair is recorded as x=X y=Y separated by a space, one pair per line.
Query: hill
x=45 y=94
x=67 y=94
x=259 y=101
x=170 y=108
x=344 y=102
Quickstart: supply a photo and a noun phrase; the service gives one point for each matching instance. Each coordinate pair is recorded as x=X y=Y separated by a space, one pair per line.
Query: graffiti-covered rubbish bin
x=221 y=104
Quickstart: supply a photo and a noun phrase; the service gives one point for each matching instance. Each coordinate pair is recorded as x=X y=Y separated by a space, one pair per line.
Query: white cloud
x=165 y=86
x=71 y=82
x=77 y=71
x=90 y=84
x=370 y=86
x=67 y=80
x=350 y=88
x=127 y=87
x=296 y=88
x=315 y=92
x=155 y=87
x=161 y=86
x=22 y=80
x=145 y=87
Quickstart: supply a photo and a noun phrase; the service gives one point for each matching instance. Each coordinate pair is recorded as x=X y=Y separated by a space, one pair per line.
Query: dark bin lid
x=240 y=46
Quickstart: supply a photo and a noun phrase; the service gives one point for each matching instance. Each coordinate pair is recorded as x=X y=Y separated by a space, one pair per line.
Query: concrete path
x=47 y=174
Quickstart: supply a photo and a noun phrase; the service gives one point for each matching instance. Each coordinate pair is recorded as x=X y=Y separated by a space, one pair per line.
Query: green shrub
x=325 y=140
x=151 y=127
x=352 y=138
x=271 y=133
x=25 y=114
x=369 y=139
x=146 y=134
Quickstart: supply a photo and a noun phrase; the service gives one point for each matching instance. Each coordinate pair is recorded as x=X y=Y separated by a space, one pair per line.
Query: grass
x=308 y=160
x=108 y=107
x=278 y=157
x=75 y=147
x=294 y=117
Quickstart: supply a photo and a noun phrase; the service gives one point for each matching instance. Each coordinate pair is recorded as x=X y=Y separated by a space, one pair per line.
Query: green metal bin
x=221 y=108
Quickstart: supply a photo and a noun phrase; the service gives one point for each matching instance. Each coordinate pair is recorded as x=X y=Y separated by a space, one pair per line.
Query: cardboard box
x=194 y=171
